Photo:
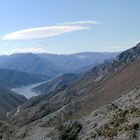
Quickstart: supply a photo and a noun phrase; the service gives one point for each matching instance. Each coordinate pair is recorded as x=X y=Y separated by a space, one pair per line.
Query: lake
x=27 y=90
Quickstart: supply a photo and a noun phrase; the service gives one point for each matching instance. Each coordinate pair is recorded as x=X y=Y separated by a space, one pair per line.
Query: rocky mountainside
x=80 y=99
x=59 y=82
x=118 y=120
x=101 y=104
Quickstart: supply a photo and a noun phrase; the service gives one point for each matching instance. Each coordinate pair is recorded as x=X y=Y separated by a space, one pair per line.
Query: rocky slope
x=119 y=120
x=57 y=83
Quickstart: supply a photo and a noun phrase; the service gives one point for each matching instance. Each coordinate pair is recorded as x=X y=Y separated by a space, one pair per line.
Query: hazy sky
x=67 y=26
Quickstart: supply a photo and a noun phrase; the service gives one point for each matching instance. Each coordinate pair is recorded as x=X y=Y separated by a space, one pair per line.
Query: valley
x=80 y=106
x=82 y=96
x=69 y=70
x=27 y=90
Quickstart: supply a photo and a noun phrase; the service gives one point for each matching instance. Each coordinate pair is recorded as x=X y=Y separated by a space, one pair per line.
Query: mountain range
x=23 y=69
x=14 y=78
x=30 y=63
x=74 y=62
x=51 y=64
x=102 y=103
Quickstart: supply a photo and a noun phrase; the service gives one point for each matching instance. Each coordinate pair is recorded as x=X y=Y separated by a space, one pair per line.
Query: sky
x=68 y=26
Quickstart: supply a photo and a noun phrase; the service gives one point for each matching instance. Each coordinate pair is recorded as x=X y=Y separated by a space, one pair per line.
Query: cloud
x=29 y=50
x=85 y=22
x=49 y=31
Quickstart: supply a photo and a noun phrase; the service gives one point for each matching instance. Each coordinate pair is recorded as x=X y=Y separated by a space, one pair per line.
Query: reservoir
x=27 y=90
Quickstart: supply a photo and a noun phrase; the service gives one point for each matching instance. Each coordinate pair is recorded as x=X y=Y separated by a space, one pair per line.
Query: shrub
x=69 y=130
